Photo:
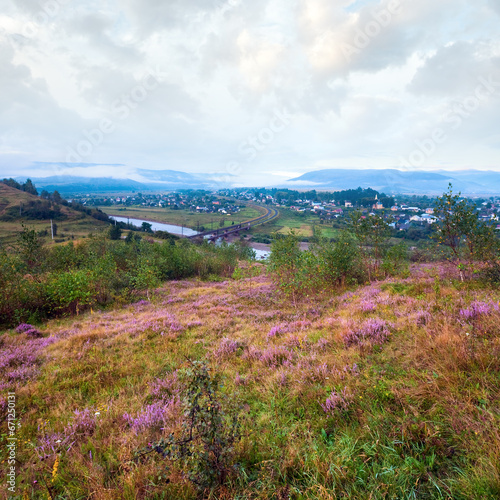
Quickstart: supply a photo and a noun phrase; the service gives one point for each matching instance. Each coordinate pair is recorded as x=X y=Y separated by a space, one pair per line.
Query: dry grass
x=422 y=421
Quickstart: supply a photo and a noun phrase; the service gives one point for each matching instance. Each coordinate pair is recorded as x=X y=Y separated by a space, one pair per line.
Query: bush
x=289 y=266
x=36 y=283
x=210 y=432
x=340 y=263
x=71 y=291
x=396 y=260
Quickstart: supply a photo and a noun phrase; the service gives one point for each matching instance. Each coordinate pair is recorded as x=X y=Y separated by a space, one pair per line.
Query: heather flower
x=167 y=386
x=276 y=331
x=372 y=331
x=23 y=373
x=252 y=353
x=282 y=378
x=275 y=356
x=83 y=424
x=322 y=344
x=299 y=325
x=154 y=416
x=475 y=311
x=337 y=402
x=28 y=330
x=294 y=342
x=367 y=306
x=321 y=372
x=238 y=380
x=226 y=348
x=422 y=318
x=191 y=324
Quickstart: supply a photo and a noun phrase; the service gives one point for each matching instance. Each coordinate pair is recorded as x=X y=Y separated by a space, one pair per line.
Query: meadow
x=301 y=223
x=184 y=217
x=384 y=390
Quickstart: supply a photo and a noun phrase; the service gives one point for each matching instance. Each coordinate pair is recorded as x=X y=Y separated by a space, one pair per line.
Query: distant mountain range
x=155 y=180
x=392 y=181
x=389 y=181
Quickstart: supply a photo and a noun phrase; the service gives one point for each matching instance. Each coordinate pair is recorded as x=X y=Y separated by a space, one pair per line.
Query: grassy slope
x=76 y=224
x=422 y=418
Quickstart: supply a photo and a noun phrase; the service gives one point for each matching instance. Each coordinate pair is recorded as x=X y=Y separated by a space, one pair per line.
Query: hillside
x=385 y=391
x=149 y=180
x=393 y=181
x=14 y=210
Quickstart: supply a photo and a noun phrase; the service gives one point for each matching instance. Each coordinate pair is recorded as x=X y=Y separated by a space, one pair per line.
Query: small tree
x=211 y=431
x=372 y=231
x=287 y=265
x=339 y=263
x=29 y=246
x=459 y=228
x=29 y=187
x=115 y=233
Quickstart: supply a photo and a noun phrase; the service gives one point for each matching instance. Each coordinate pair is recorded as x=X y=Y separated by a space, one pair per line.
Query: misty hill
x=154 y=180
x=66 y=184
x=399 y=181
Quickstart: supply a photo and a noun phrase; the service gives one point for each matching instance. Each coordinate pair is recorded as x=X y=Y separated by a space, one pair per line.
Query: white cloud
x=361 y=81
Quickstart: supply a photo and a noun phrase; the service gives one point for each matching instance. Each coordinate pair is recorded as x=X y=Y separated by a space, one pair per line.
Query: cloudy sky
x=253 y=91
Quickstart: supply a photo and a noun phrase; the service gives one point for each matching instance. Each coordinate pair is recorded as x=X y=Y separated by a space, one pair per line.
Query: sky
x=250 y=92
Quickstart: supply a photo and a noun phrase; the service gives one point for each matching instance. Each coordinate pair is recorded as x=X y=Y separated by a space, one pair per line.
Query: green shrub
x=396 y=260
x=340 y=263
x=288 y=266
x=71 y=291
x=210 y=432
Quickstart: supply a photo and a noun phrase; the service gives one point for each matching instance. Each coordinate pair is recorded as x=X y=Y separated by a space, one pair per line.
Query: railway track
x=271 y=214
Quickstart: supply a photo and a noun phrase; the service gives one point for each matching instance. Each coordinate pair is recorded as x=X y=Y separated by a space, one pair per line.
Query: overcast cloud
x=250 y=91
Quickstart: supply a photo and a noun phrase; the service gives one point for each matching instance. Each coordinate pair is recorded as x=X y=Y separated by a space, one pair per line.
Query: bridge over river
x=212 y=235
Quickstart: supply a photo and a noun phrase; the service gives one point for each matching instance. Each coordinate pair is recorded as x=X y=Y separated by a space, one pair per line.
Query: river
x=157 y=226
x=179 y=230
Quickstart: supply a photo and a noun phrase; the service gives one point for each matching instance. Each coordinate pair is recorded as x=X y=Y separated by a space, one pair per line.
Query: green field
x=301 y=223
x=186 y=218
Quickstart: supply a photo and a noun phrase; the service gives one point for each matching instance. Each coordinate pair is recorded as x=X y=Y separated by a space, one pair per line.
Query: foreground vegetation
x=38 y=282
x=338 y=372
x=387 y=391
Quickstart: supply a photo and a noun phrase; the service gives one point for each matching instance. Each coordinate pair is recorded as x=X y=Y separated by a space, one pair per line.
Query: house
x=416 y=218
x=348 y=204
x=430 y=219
x=429 y=211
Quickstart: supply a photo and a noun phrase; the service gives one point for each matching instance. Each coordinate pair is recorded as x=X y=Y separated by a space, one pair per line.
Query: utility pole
x=51 y=229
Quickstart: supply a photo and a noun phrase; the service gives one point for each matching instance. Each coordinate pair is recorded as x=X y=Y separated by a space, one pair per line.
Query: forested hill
x=18 y=206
